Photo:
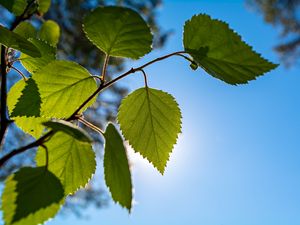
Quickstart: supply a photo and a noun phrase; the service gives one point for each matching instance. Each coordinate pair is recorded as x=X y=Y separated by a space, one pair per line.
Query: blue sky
x=237 y=160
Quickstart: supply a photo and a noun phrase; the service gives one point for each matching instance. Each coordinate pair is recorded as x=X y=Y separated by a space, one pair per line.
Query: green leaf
x=150 y=120
x=15 y=41
x=71 y=160
x=30 y=125
x=116 y=168
x=48 y=54
x=31 y=196
x=30 y=93
x=26 y=30
x=43 y=6
x=50 y=32
x=221 y=52
x=118 y=32
x=70 y=129
x=63 y=87
x=15 y=6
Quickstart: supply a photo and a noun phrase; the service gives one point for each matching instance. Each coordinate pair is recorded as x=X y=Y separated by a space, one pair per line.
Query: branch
x=4 y=118
x=15 y=152
x=4 y=63
x=108 y=84
x=74 y=116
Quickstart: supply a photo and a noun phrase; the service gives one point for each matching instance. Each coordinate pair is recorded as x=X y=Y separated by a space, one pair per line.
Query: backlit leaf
x=116 y=168
x=63 y=86
x=31 y=196
x=30 y=93
x=50 y=32
x=48 y=54
x=71 y=160
x=150 y=120
x=26 y=30
x=15 y=41
x=30 y=125
x=118 y=31
x=44 y=5
x=221 y=52
x=70 y=129
x=15 y=6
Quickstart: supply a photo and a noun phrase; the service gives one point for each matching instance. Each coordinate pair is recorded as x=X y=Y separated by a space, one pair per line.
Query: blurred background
x=237 y=159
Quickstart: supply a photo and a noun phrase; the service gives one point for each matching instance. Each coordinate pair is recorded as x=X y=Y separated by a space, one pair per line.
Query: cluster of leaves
x=73 y=45
x=50 y=104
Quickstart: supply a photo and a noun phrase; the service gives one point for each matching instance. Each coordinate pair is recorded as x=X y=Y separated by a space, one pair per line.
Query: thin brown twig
x=36 y=143
x=108 y=84
x=74 y=116
x=187 y=58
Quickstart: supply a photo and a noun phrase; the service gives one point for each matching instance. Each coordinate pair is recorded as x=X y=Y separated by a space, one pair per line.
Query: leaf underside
x=30 y=125
x=17 y=42
x=70 y=129
x=30 y=93
x=15 y=6
x=71 y=160
x=50 y=32
x=150 y=120
x=31 y=196
x=116 y=168
x=48 y=54
x=26 y=30
x=44 y=5
x=221 y=52
x=118 y=31
x=63 y=86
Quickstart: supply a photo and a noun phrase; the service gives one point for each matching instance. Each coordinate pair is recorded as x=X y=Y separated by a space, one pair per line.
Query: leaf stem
x=104 y=68
x=90 y=125
x=187 y=58
x=97 y=77
x=145 y=77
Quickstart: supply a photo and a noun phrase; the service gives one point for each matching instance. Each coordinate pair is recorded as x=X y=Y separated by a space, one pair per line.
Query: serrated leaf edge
x=150 y=31
x=273 y=65
x=128 y=161
x=169 y=153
